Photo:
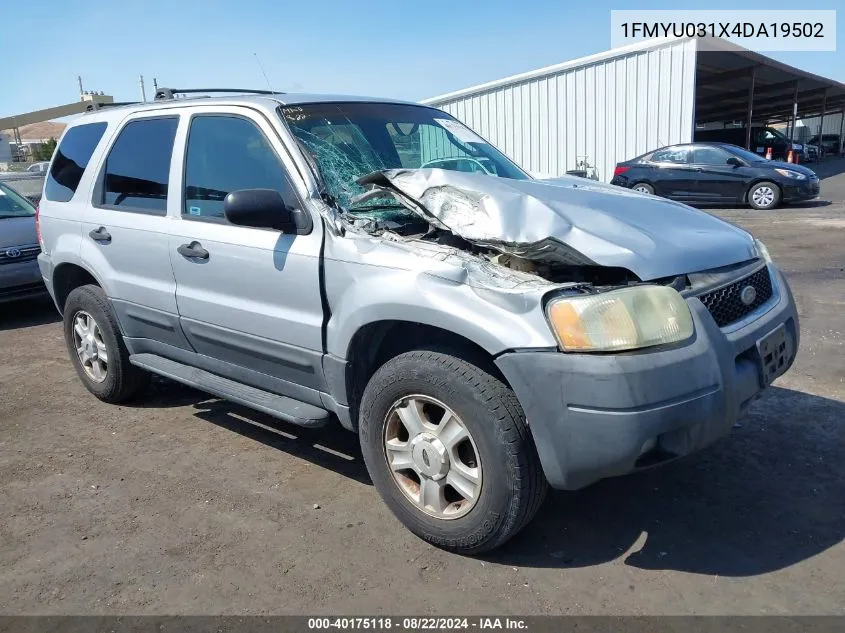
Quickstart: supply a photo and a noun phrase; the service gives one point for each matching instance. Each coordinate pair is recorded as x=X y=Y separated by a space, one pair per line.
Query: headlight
x=791 y=174
x=629 y=318
x=762 y=251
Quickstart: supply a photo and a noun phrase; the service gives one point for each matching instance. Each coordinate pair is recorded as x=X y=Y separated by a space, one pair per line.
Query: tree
x=45 y=150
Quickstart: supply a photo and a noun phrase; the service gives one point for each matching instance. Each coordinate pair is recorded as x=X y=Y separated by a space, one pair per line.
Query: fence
x=29 y=185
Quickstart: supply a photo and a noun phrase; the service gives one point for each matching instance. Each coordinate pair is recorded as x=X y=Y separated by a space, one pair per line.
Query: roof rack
x=96 y=105
x=168 y=93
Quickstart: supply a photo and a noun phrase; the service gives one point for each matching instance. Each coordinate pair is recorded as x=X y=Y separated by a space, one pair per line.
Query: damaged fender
x=376 y=279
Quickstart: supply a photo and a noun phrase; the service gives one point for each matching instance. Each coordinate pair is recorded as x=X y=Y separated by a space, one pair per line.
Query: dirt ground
x=185 y=505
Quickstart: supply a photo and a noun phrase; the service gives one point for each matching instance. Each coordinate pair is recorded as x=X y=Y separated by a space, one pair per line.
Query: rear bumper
x=594 y=416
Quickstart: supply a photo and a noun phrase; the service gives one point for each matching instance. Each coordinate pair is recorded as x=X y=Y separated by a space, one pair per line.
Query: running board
x=282 y=407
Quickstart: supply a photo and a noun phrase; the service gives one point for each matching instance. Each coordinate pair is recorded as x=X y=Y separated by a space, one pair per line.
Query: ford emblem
x=748 y=294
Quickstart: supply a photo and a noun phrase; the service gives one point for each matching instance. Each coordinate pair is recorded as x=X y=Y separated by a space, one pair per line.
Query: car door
x=669 y=172
x=125 y=228
x=714 y=178
x=251 y=299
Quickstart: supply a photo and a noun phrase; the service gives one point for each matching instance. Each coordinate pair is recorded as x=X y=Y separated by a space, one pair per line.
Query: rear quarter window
x=71 y=160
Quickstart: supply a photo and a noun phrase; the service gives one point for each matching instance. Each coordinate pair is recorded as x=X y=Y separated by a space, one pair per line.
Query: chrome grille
x=16 y=254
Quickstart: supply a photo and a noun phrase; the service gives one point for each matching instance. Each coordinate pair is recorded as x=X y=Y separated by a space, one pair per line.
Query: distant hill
x=37 y=131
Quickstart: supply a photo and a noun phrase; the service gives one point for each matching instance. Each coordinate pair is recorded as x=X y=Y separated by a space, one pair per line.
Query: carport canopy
x=733 y=83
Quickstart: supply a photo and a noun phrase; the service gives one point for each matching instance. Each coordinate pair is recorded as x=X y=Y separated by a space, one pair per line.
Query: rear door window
x=676 y=155
x=72 y=157
x=137 y=168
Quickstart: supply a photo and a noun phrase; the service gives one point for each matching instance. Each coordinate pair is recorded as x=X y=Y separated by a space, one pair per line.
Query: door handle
x=698 y=168
x=194 y=249
x=100 y=235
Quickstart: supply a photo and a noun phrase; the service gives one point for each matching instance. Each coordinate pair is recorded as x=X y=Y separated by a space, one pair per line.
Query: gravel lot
x=182 y=504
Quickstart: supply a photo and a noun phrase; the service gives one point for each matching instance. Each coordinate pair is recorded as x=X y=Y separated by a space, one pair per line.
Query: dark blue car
x=19 y=273
x=716 y=173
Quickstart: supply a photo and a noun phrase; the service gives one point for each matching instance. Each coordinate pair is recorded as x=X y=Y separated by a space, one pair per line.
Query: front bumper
x=20 y=280
x=594 y=416
x=801 y=191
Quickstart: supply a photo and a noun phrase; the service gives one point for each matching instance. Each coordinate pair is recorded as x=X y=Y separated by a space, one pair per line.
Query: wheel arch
x=66 y=277
x=756 y=181
x=643 y=181
x=377 y=342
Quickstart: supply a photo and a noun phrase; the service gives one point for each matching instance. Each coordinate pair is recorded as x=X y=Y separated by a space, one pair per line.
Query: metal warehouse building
x=619 y=104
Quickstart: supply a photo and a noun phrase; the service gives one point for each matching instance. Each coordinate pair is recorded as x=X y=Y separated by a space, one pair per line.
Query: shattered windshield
x=349 y=140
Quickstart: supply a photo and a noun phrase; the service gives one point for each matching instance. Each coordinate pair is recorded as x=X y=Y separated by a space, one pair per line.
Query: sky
x=406 y=49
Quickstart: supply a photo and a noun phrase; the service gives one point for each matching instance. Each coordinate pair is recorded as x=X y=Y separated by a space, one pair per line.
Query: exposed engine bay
x=398 y=224
x=380 y=214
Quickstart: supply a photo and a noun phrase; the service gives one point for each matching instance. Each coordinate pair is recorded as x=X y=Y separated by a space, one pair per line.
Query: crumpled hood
x=581 y=221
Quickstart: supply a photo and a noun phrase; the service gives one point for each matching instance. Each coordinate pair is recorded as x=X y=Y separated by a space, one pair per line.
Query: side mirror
x=259 y=208
x=733 y=160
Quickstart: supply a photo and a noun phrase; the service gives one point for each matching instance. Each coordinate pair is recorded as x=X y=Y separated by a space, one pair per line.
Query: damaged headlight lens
x=629 y=318
x=762 y=251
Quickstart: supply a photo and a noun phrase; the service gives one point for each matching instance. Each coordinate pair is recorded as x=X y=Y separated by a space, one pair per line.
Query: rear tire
x=764 y=196
x=643 y=187
x=96 y=347
x=510 y=481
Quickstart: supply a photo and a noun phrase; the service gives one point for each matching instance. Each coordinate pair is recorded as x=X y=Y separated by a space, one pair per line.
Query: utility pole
x=79 y=79
x=143 y=92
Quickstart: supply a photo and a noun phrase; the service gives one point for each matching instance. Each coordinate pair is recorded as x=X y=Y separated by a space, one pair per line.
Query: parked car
x=762 y=139
x=26 y=184
x=830 y=143
x=39 y=168
x=19 y=273
x=708 y=173
x=485 y=334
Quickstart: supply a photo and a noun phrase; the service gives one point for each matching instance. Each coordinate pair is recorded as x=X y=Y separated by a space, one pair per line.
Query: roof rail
x=169 y=93
x=96 y=105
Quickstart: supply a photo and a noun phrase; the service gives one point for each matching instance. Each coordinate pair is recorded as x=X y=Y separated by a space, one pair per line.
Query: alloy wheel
x=90 y=347
x=763 y=196
x=432 y=457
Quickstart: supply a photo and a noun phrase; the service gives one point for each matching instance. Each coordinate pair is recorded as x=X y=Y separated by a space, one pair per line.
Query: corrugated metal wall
x=607 y=111
x=832 y=123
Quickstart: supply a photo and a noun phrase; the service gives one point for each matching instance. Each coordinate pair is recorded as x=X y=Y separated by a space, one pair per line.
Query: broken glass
x=350 y=140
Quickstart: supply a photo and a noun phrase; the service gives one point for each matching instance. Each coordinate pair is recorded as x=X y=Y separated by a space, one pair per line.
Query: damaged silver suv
x=374 y=262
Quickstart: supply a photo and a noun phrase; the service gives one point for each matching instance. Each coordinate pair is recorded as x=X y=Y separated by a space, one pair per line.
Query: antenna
x=261 y=66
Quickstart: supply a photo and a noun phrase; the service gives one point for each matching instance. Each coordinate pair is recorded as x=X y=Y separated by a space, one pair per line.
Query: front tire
x=449 y=451
x=96 y=347
x=764 y=196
